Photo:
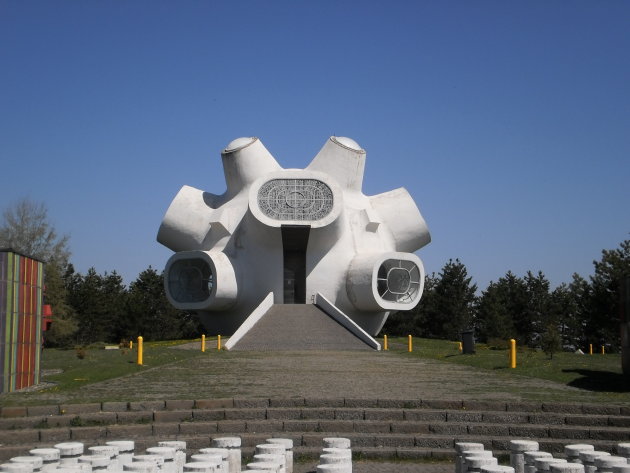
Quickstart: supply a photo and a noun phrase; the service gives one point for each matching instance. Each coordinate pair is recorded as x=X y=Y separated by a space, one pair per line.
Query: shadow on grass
x=601 y=381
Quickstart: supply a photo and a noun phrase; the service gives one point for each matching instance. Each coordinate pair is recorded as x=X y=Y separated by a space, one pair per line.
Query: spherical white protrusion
x=347 y=142
x=239 y=143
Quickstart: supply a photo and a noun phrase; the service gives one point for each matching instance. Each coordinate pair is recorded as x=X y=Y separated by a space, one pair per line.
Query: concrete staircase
x=298 y=327
x=378 y=428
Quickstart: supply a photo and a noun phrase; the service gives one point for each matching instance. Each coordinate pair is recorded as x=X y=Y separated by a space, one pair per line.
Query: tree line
x=96 y=307
x=91 y=307
x=525 y=308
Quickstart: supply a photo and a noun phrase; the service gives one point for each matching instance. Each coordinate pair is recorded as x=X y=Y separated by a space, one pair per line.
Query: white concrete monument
x=297 y=235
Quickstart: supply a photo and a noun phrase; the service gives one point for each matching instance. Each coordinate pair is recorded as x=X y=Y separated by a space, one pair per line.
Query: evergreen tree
x=538 y=317
x=411 y=322
x=501 y=305
x=449 y=310
x=602 y=325
x=151 y=315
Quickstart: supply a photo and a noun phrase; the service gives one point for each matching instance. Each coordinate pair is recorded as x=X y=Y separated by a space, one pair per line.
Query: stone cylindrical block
x=588 y=459
x=98 y=462
x=156 y=459
x=623 y=449
x=125 y=450
x=72 y=468
x=233 y=444
x=36 y=463
x=16 y=467
x=566 y=468
x=180 y=452
x=335 y=468
x=497 y=469
x=267 y=466
x=605 y=464
x=141 y=467
x=69 y=452
x=517 y=449
x=530 y=460
x=542 y=464
x=213 y=458
x=336 y=442
x=346 y=452
x=461 y=447
x=288 y=451
x=474 y=463
x=50 y=457
x=200 y=467
x=272 y=457
x=334 y=458
x=223 y=452
x=110 y=451
x=572 y=451
x=168 y=455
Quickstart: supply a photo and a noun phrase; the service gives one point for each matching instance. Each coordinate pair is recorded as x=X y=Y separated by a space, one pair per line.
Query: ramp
x=286 y=327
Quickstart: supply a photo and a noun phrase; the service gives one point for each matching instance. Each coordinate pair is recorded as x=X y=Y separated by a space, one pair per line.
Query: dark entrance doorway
x=294 y=243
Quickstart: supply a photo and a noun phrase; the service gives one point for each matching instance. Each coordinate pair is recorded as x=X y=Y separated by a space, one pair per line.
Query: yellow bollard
x=218 y=342
x=512 y=353
x=140 y=350
x=131 y=344
x=409 y=344
x=603 y=350
x=590 y=348
x=461 y=347
x=203 y=343
x=385 y=346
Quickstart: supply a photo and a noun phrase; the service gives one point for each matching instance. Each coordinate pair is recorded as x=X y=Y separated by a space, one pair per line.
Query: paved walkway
x=313 y=374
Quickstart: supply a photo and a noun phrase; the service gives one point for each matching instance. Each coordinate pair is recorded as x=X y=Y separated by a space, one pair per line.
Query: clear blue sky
x=508 y=122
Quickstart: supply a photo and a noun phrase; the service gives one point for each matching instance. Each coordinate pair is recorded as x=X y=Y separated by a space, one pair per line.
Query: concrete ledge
x=129 y=431
x=214 y=403
x=254 y=426
x=167 y=429
x=245 y=414
x=205 y=415
x=146 y=406
x=172 y=416
x=73 y=409
x=179 y=404
x=349 y=414
x=250 y=321
x=54 y=435
x=318 y=413
x=284 y=414
x=88 y=433
x=345 y=321
x=42 y=410
x=115 y=406
x=198 y=428
x=13 y=412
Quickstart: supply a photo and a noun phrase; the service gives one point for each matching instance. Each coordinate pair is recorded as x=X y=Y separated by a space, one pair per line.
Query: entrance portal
x=294 y=243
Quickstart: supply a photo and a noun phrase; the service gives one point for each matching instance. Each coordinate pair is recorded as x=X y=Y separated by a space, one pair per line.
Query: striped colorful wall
x=21 y=299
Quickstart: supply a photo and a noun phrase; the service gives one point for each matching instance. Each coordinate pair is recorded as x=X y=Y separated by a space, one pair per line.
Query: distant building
x=293 y=236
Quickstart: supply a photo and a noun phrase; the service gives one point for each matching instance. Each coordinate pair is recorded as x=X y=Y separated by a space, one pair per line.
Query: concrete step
x=298 y=327
x=396 y=429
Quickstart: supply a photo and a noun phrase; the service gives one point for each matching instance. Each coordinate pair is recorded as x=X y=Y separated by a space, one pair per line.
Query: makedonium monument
x=293 y=236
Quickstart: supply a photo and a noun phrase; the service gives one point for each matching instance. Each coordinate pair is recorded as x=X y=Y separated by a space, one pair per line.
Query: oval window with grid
x=295 y=199
x=398 y=280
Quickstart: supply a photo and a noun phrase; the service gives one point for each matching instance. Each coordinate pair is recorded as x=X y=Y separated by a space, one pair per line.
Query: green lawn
x=597 y=372
x=99 y=364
